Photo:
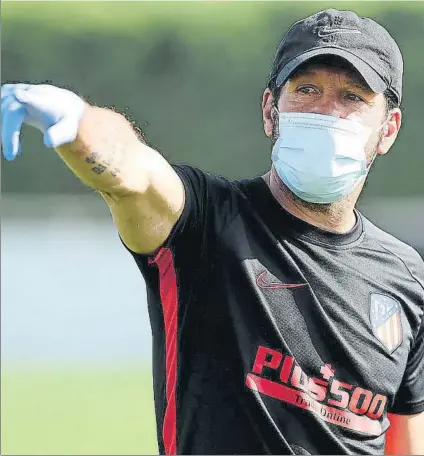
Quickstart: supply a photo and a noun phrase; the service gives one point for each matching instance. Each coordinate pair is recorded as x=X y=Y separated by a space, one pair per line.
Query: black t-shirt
x=272 y=336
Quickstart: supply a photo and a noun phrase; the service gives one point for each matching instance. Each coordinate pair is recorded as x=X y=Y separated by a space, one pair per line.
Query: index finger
x=12 y=118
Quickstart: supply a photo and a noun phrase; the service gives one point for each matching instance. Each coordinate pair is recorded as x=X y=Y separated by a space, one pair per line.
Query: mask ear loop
x=371 y=162
x=381 y=127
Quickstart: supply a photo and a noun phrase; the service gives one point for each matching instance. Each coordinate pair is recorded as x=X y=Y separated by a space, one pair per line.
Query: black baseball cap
x=366 y=45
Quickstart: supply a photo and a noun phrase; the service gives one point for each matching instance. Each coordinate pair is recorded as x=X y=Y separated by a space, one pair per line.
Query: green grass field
x=77 y=412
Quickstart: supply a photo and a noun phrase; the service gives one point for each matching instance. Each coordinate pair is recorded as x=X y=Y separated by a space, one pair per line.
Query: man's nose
x=328 y=106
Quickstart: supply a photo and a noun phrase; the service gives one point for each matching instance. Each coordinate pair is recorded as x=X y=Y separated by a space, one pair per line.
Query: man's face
x=337 y=91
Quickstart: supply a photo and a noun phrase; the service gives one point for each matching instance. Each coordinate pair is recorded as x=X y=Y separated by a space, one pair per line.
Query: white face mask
x=320 y=158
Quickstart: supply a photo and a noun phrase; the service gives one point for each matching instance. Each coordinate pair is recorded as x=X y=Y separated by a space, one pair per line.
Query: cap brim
x=372 y=78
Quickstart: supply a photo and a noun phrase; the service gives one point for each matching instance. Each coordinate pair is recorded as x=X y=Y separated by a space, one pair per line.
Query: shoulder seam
x=403 y=262
x=412 y=275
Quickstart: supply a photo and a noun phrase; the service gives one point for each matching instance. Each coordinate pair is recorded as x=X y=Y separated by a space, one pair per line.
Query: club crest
x=386 y=320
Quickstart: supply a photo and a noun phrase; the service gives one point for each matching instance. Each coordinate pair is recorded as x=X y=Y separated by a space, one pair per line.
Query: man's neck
x=338 y=217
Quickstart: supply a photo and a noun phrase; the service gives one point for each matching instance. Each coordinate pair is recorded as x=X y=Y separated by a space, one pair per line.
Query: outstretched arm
x=144 y=193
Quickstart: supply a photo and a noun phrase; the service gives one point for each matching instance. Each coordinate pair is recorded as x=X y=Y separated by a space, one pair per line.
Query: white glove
x=54 y=111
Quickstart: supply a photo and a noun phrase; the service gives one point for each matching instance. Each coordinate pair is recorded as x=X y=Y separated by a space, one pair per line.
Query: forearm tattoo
x=102 y=164
x=110 y=160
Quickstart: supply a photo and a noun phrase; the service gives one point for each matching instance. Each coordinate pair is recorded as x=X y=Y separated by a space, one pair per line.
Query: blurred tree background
x=191 y=75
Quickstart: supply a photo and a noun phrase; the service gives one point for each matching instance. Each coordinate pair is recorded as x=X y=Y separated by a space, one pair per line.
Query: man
x=283 y=321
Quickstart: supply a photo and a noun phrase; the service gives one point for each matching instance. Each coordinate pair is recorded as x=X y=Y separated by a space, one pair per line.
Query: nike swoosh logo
x=263 y=282
x=327 y=31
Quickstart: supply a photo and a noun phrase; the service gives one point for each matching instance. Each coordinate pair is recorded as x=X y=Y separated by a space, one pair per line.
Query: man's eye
x=353 y=97
x=306 y=90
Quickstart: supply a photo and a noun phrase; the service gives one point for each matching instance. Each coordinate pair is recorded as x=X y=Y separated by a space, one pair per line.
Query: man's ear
x=390 y=131
x=267 y=110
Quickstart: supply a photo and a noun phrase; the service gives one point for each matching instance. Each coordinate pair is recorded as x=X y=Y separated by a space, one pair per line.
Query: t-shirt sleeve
x=208 y=204
x=410 y=397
